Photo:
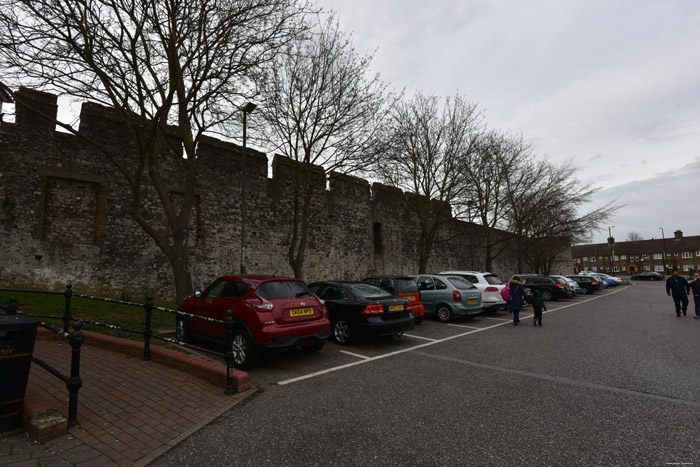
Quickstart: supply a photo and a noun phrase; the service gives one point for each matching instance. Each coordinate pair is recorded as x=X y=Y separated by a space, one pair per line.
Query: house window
x=697 y=253
x=645 y=255
x=675 y=253
x=623 y=256
x=585 y=258
x=594 y=268
x=687 y=254
x=658 y=268
x=600 y=258
x=592 y=259
x=687 y=267
x=647 y=268
x=616 y=268
x=658 y=256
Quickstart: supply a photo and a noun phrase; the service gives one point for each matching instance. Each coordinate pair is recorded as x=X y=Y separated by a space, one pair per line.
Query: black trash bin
x=17 y=337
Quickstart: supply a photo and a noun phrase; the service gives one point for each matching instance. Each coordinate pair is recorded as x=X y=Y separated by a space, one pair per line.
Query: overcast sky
x=611 y=85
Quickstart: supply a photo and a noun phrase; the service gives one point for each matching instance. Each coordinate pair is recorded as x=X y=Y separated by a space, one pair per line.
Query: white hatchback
x=489 y=285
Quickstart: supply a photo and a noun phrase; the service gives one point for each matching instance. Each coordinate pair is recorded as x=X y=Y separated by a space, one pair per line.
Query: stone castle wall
x=65 y=216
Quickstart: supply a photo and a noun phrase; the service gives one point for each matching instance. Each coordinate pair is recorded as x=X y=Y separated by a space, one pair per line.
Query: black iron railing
x=76 y=340
x=147 y=332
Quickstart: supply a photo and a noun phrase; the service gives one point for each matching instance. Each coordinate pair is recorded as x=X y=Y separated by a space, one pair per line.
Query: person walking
x=518 y=297
x=679 y=289
x=695 y=287
x=537 y=305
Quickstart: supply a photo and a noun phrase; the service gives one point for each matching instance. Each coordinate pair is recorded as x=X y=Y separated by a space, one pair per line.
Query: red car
x=404 y=287
x=268 y=312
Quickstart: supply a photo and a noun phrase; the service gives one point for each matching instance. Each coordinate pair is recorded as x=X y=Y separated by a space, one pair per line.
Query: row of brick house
x=628 y=258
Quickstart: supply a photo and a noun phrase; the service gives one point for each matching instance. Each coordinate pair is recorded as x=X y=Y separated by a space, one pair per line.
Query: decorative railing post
x=12 y=307
x=230 y=389
x=147 y=333
x=74 y=382
x=66 y=316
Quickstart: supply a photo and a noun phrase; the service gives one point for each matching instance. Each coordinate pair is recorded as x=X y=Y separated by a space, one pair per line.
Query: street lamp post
x=663 y=237
x=247 y=108
x=612 y=252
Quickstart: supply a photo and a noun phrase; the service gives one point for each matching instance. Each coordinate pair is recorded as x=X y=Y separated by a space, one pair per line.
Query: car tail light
x=457 y=296
x=561 y=286
x=491 y=289
x=594 y=283
x=264 y=305
x=373 y=310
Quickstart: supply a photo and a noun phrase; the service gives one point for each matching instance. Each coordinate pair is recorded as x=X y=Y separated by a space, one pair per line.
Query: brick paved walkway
x=128 y=410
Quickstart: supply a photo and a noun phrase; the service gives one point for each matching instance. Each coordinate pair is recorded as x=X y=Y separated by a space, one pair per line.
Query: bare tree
x=544 y=203
x=186 y=63
x=634 y=236
x=322 y=108
x=427 y=145
x=486 y=171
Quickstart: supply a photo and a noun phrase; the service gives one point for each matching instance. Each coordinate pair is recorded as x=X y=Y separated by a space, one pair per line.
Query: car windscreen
x=406 y=285
x=493 y=279
x=276 y=290
x=460 y=283
x=369 y=292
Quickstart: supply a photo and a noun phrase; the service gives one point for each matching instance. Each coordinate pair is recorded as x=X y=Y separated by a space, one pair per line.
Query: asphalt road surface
x=611 y=379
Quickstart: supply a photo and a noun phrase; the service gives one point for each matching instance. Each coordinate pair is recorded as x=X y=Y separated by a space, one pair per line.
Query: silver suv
x=447 y=296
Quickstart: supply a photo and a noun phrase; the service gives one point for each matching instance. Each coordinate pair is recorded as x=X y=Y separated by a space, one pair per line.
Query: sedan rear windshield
x=369 y=292
x=493 y=279
x=276 y=290
x=406 y=285
x=460 y=283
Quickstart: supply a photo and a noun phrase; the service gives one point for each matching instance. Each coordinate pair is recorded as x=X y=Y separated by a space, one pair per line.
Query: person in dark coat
x=538 y=305
x=695 y=287
x=518 y=297
x=679 y=289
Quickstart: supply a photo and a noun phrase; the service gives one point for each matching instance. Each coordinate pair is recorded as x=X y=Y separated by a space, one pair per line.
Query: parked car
x=604 y=282
x=488 y=284
x=448 y=296
x=573 y=286
x=616 y=280
x=648 y=276
x=549 y=288
x=588 y=284
x=268 y=313
x=357 y=309
x=404 y=287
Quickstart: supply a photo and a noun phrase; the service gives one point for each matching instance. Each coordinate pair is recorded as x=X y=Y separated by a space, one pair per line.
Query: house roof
x=655 y=245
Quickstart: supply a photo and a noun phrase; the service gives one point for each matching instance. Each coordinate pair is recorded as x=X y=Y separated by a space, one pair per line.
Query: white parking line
x=498 y=319
x=353 y=354
x=420 y=337
x=427 y=344
x=462 y=326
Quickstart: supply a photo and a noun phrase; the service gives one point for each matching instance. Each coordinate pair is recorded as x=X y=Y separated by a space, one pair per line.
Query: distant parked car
x=549 y=288
x=489 y=284
x=268 y=313
x=588 y=284
x=404 y=287
x=648 y=276
x=573 y=286
x=357 y=309
x=615 y=281
x=448 y=296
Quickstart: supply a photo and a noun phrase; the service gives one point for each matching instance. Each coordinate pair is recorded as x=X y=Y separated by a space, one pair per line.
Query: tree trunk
x=181 y=271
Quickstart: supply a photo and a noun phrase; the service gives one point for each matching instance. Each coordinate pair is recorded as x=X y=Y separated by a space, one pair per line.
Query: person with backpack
x=518 y=297
x=505 y=295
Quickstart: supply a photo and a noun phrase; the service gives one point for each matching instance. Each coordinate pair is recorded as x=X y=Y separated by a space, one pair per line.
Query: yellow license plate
x=301 y=311
x=473 y=300
x=395 y=307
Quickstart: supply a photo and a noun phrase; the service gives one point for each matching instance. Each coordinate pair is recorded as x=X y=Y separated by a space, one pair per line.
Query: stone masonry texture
x=65 y=216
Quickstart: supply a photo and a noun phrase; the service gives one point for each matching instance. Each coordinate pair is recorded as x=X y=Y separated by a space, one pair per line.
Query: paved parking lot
x=609 y=379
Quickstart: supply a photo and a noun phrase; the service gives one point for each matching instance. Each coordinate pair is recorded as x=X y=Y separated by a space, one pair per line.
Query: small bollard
x=74 y=382
x=230 y=388
x=147 y=333
x=66 y=316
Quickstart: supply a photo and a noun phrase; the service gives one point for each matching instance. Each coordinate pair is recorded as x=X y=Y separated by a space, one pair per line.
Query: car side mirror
x=198 y=294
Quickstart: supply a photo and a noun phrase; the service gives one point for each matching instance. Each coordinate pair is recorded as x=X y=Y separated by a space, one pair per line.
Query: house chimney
x=678 y=234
